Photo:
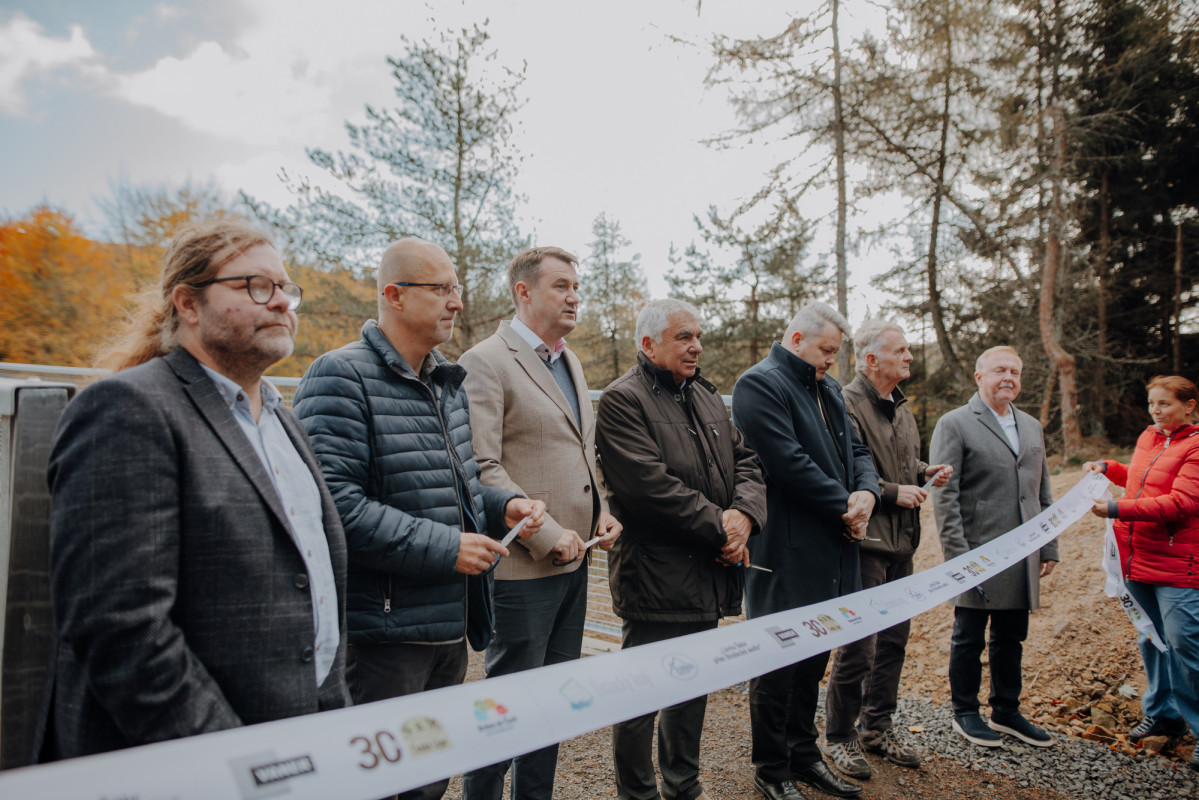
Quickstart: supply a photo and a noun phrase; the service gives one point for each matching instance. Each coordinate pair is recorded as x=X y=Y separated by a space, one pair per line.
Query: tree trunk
x=1099 y=391
x=1063 y=360
x=839 y=139
x=1047 y=397
x=952 y=362
x=1178 y=300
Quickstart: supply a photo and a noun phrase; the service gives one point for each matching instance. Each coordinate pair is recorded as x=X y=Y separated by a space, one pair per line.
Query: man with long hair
x=197 y=561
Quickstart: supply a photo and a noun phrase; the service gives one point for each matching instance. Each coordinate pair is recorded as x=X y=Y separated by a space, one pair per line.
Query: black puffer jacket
x=673 y=462
x=394 y=461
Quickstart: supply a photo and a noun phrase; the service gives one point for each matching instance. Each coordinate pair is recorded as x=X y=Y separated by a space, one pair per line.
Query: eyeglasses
x=262 y=289
x=442 y=289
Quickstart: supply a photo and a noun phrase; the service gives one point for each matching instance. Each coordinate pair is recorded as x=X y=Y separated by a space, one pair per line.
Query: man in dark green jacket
x=689 y=494
x=863 y=688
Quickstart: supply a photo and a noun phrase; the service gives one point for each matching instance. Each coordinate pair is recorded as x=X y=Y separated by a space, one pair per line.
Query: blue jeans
x=1174 y=675
x=537 y=622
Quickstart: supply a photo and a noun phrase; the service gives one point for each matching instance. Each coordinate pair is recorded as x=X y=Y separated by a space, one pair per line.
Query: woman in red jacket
x=1157 y=530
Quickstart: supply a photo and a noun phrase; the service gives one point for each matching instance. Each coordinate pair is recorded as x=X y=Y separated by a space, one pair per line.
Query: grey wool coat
x=993 y=490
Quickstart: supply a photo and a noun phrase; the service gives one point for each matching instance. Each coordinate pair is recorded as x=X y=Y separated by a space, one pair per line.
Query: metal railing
x=600 y=618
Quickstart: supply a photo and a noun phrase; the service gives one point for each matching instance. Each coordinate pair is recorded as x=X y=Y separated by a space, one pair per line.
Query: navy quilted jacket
x=395 y=459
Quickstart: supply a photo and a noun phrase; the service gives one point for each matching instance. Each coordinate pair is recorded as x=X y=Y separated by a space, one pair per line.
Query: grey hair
x=869 y=336
x=654 y=319
x=985 y=355
x=811 y=319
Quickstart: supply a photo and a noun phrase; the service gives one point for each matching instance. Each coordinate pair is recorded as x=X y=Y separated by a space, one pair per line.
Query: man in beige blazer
x=534 y=433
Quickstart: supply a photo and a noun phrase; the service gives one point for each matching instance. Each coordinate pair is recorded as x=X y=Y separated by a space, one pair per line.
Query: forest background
x=1042 y=153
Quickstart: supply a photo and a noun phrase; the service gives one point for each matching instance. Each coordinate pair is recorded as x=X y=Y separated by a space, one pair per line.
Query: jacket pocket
x=667 y=579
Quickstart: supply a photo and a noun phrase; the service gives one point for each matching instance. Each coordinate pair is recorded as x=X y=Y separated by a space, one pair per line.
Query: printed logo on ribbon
x=493 y=717
x=914 y=594
x=979 y=568
x=266 y=775
x=882 y=604
x=828 y=622
x=957 y=576
x=937 y=586
x=784 y=636
x=680 y=666
x=852 y=617
x=424 y=736
x=576 y=694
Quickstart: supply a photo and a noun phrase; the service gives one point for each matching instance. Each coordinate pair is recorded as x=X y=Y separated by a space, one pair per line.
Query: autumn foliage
x=63 y=295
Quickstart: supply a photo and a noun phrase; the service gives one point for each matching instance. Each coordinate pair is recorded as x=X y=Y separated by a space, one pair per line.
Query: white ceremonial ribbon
x=1114 y=587
x=393 y=745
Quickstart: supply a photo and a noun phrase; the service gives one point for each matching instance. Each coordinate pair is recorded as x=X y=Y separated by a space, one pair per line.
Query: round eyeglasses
x=262 y=289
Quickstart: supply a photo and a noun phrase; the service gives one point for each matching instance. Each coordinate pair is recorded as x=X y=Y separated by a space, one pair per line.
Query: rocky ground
x=1083 y=681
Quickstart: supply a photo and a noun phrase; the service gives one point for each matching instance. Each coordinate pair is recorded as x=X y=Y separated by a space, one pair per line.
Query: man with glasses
x=534 y=432
x=388 y=420
x=197 y=559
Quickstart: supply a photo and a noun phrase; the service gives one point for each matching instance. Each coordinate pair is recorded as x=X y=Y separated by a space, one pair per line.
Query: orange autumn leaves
x=63 y=295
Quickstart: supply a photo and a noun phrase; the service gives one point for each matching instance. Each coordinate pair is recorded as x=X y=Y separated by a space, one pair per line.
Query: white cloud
x=251 y=98
x=26 y=50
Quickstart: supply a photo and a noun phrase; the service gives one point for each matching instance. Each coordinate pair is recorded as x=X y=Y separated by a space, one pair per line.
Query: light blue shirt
x=301 y=502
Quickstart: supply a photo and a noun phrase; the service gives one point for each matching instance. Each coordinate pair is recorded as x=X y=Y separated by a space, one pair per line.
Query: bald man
x=387 y=416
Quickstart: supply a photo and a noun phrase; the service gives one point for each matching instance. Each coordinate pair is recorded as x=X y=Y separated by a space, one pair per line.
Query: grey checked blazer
x=181 y=602
x=526 y=440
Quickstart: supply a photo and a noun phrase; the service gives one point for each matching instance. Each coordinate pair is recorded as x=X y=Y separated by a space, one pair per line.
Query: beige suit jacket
x=526 y=440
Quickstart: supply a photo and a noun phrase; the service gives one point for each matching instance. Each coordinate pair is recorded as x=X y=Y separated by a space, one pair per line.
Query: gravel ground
x=1081 y=670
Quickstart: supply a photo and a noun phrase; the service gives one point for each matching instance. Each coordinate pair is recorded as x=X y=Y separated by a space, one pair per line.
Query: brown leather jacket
x=673 y=462
x=889 y=430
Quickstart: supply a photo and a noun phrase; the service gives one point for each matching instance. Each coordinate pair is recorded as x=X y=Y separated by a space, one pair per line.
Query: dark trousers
x=383 y=671
x=863 y=688
x=537 y=622
x=782 y=719
x=1005 y=648
x=679 y=731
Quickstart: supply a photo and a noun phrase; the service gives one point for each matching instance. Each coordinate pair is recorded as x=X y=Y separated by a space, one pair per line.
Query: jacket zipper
x=459 y=471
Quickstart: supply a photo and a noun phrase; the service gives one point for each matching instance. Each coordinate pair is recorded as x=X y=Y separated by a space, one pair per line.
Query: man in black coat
x=820 y=488
x=197 y=562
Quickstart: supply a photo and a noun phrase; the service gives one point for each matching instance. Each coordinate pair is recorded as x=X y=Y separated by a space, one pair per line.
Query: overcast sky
x=159 y=93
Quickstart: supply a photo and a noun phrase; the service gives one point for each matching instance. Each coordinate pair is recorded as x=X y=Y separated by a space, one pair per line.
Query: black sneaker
x=972 y=728
x=1157 y=726
x=1016 y=725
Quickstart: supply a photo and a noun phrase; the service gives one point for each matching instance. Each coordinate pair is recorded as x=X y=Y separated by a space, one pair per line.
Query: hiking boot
x=1157 y=726
x=1014 y=724
x=847 y=757
x=888 y=745
x=972 y=728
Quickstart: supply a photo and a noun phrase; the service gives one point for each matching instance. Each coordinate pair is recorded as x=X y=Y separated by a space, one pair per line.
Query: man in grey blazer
x=534 y=433
x=197 y=560
x=1000 y=479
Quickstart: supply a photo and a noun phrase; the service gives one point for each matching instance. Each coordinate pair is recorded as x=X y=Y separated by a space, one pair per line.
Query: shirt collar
x=233 y=395
x=534 y=341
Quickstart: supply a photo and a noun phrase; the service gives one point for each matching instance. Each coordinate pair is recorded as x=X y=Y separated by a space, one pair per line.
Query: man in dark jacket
x=388 y=420
x=689 y=494
x=864 y=685
x=821 y=487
